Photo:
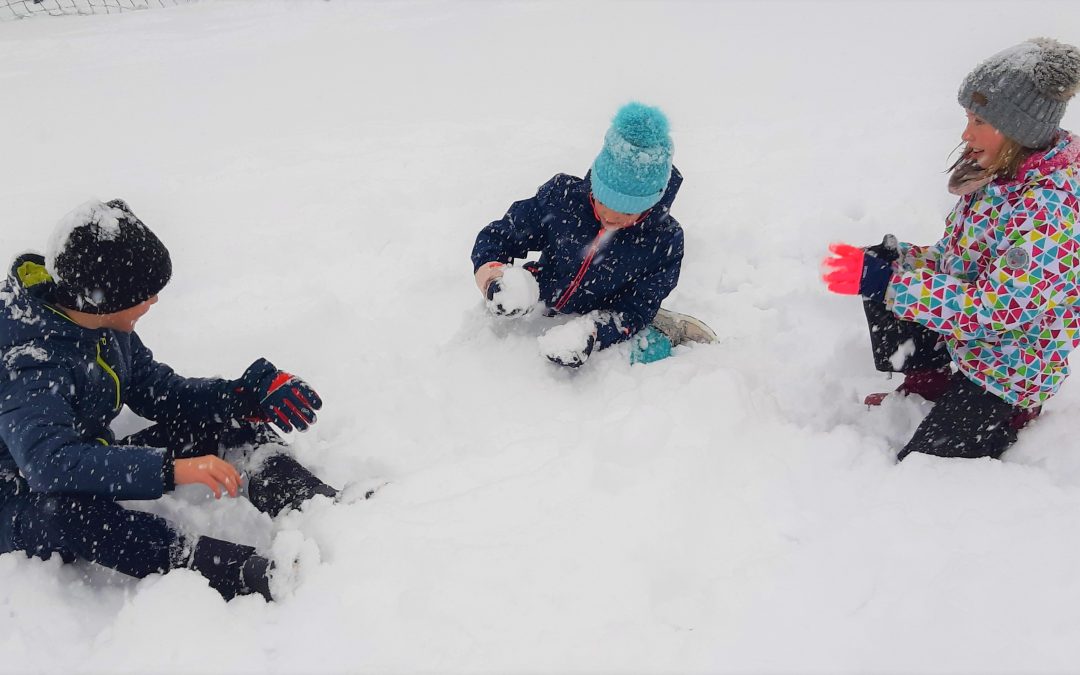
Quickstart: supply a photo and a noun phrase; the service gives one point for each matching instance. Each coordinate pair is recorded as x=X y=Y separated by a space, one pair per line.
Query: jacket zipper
x=572 y=288
x=110 y=371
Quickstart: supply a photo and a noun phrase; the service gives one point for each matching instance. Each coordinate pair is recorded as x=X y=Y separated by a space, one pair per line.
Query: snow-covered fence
x=21 y=9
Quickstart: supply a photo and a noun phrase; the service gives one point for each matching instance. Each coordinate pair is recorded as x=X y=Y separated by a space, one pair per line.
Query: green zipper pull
x=110 y=371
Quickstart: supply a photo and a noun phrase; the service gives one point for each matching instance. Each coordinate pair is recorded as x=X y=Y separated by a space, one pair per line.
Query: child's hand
x=487 y=273
x=842 y=269
x=888 y=250
x=569 y=344
x=849 y=271
x=283 y=398
x=514 y=293
x=213 y=472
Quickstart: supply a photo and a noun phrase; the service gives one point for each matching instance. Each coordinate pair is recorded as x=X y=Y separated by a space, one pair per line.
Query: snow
x=36 y=353
x=319 y=171
x=568 y=341
x=93 y=212
x=518 y=291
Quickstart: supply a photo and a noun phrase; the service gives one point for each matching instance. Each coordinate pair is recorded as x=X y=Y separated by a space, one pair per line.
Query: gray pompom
x=1056 y=73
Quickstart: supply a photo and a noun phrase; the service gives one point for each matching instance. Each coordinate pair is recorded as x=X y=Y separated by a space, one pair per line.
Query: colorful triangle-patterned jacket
x=1001 y=285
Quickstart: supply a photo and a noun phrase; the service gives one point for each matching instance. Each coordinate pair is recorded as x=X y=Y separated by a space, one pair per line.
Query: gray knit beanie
x=1022 y=91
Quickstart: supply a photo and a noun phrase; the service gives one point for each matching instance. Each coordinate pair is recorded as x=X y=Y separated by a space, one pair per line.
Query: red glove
x=843 y=269
x=281 y=397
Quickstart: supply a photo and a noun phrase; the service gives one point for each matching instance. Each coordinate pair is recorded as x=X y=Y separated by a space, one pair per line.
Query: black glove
x=888 y=250
x=497 y=308
x=575 y=358
x=282 y=398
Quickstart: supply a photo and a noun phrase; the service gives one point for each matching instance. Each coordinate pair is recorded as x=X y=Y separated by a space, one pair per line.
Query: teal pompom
x=644 y=126
x=633 y=168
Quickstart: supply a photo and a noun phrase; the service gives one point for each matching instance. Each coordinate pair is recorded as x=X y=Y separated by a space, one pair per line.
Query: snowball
x=518 y=294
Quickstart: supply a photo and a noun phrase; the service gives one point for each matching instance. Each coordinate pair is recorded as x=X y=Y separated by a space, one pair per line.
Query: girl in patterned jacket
x=982 y=322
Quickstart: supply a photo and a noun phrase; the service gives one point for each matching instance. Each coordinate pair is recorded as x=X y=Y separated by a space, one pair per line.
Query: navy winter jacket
x=631 y=273
x=62 y=385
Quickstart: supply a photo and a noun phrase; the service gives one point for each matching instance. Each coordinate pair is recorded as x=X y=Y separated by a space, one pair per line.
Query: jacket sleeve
x=521 y=230
x=634 y=306
x=157 y=393
x=37 y=424
x=914 y=257
x=1022 y=283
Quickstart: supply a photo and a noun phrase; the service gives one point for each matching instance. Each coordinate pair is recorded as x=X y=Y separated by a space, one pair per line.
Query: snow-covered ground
x=319 y=171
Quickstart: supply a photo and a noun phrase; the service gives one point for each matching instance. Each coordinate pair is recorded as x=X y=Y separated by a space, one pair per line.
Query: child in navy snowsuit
x=70 y=360
x=609 y=248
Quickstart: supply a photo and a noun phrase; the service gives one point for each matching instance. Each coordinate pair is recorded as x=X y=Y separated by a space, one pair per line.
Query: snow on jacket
x=1001 y=285
x=631 y=271
x=61 y=385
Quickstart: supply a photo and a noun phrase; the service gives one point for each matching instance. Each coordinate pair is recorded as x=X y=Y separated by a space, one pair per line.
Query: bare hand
x=213 y=472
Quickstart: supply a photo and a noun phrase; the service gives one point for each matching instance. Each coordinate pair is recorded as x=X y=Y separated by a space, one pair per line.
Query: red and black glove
x=280 y=397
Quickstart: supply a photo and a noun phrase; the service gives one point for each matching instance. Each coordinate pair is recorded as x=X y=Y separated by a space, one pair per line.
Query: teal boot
x=650 y=345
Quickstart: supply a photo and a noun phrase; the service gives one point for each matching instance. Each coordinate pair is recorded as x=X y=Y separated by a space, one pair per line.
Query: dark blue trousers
x=133 y=542
x=967 y=421
x=85 y=526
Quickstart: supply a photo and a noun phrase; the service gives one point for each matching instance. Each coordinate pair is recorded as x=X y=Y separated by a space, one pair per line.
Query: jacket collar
x=27 y=297
x=1063 y=153
x=658 y=213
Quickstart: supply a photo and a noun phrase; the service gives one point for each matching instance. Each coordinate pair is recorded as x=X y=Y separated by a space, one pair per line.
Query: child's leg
x=279 y=482
x=138 y=544
x=967 y=421
x=190 y=440
x=275 y=481
x=903 y=346
x=89 y=527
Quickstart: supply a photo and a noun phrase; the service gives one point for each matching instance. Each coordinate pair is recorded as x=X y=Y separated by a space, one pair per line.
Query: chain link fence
x=23 y=9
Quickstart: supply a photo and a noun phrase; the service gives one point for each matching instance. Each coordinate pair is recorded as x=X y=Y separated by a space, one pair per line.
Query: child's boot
x=682 y=328
x=930 y=384
x=1023 y=416
x=280 y=482
x=650 y=345
x=232 y=569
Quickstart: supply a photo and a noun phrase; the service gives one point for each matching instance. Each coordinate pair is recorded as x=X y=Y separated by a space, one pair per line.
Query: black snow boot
x=281 y=483
x=232 y=569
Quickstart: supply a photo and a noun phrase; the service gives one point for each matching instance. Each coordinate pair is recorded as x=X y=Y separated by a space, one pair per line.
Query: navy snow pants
x=102 y=531
x=967 y=420
x=85 y=526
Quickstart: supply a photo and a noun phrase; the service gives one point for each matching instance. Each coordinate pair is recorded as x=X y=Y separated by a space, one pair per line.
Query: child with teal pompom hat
x=610 y=251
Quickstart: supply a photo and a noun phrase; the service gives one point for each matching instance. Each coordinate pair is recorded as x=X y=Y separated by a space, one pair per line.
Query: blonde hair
x=1010 y=156
x=1009 y=159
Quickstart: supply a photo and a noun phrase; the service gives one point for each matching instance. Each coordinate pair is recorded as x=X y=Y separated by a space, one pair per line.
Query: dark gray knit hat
x=1023 y=90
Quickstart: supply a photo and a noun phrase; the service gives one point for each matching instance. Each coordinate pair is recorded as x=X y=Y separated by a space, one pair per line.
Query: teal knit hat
x=632 y=170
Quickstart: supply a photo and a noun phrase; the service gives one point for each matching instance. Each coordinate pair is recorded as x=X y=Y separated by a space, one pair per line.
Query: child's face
x=984 y=141
x=125 y=320
x=613 y=220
